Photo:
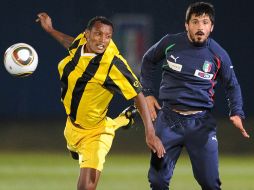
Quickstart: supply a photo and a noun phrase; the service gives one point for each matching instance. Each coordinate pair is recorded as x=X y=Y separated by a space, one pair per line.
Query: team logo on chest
x=207 y=66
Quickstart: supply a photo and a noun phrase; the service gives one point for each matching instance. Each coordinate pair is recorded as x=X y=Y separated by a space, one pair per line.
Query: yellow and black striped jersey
x=88 y=82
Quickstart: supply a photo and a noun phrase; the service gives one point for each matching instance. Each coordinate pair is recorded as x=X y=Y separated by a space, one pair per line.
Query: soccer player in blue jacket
x=192 y=64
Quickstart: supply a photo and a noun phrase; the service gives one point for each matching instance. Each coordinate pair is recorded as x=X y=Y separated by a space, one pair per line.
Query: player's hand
x=237 y=122
x=155 y=144
x=153 y=106
x=45 y=21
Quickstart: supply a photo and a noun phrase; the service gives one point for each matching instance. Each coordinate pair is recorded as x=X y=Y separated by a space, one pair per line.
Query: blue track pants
x=197 y=133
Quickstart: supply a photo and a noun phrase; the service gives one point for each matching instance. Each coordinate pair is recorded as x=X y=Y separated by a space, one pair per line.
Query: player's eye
x=205 y=22
x=194 y=22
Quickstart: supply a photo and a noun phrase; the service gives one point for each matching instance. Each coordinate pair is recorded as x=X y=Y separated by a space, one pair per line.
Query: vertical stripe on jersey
x=121 y=66
x=67 y=70
x=81 y=84
x=74 y=45
x=111 y=85
x=122 y=80
x=217 y=63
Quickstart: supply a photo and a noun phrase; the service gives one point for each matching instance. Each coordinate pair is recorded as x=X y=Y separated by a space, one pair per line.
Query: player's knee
x=86 y=186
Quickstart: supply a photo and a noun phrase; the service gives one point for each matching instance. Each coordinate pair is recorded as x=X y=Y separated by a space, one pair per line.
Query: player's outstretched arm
x=237 y=122
x=46 y=24
x=153 y=142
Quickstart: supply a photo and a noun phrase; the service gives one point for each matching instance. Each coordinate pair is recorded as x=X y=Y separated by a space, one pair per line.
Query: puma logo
x=175 y=58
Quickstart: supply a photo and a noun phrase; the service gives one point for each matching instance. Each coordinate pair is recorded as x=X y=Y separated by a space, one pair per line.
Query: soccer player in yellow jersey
x=90 y=74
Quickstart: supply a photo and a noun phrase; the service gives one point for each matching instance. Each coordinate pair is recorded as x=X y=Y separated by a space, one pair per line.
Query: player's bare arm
x=153 y=106
x=237 y=122
x=46 y=24
x=153 y=142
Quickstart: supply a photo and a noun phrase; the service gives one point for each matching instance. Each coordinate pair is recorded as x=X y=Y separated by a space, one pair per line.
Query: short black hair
x=100 y=19
x=200 y=8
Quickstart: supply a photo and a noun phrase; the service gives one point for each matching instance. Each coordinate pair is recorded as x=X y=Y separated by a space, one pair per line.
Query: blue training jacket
x=190 y=74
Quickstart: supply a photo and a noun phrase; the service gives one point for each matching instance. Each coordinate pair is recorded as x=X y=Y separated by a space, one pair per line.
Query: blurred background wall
x=31 y=114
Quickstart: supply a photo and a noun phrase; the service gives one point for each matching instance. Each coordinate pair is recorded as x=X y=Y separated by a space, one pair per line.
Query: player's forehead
x=99 y=26
x=200 y=17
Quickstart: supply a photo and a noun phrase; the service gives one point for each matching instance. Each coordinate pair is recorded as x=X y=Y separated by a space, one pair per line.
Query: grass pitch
x=52 y=171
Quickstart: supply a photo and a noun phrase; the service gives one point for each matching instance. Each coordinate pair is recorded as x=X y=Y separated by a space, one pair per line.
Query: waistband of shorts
x=187 y=112
x=74 y=124
x=101 y=124
x=192 y=112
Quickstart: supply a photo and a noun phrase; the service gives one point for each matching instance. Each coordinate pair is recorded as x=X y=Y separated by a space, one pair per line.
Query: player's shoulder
x=217 y=48
x=173 y=37
x=119 y=58
x=78 y=41
x=168 y=40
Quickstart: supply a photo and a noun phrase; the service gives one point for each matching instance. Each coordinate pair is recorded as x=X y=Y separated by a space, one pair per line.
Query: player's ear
x=212 y=28
x=186 y=26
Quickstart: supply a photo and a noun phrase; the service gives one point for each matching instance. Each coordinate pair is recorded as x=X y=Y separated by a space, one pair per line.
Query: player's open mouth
x=100 y=47
x=199 y=33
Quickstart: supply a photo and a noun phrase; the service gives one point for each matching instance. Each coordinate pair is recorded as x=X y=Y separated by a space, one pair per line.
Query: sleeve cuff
x=147 y=92
x=240 y=114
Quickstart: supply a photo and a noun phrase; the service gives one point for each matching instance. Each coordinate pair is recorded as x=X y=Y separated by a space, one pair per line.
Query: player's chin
x=199 y=41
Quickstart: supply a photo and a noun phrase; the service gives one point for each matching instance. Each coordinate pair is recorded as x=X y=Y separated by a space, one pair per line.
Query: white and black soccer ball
x=20 y=59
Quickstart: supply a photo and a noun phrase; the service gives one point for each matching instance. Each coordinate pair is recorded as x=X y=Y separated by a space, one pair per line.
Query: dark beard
x=196 y=42
x=199 y=44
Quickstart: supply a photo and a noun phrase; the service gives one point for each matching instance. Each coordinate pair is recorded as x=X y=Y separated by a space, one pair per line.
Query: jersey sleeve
x=122 y=80
x=231 y=86
x=149 y=63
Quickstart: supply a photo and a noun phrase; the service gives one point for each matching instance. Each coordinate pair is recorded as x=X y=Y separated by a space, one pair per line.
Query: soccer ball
x=20 y=59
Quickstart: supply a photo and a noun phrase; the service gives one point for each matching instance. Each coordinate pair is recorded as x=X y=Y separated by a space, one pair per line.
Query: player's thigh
x=169 y=129
x=170 y=133
x=202 y=146
x=93 y=150
x=73 y=136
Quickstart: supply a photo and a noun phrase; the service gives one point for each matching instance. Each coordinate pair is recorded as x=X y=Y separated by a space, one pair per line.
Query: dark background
x=31 y=110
